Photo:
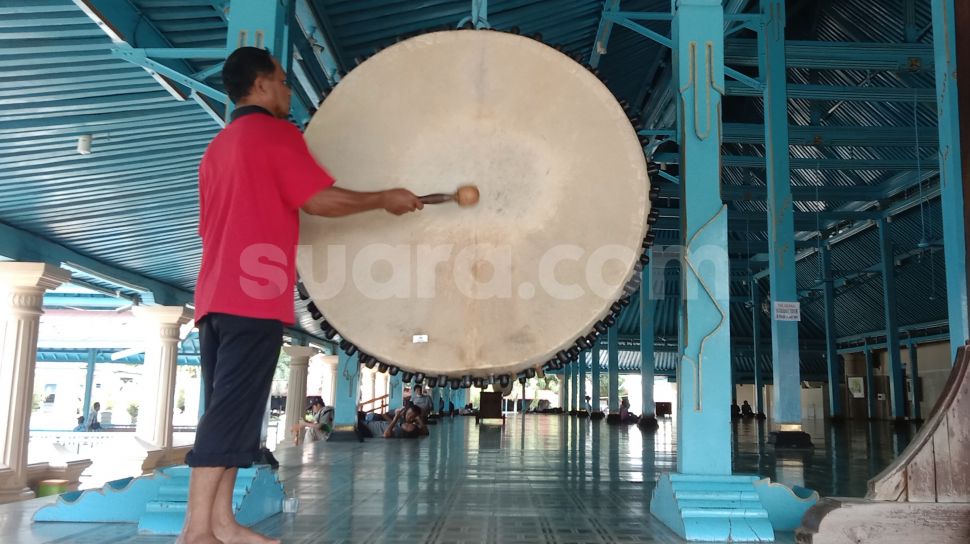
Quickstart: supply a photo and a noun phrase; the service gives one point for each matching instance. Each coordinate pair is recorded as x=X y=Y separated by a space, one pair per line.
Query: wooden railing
x=374 y=405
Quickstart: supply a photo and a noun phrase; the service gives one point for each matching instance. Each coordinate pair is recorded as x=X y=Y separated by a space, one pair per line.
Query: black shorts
x=239 y=356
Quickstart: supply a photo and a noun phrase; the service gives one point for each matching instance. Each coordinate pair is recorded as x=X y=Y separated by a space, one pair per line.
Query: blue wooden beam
x=574 y=390
x=952 y=182
x=613 y=353
x=752 y=161
x=648 y=309
x=319 y=41
x=124 y=23
x=829 y=55
x=870 y=387
x=909 y=330
x=759 y=385
x=567 y=386
x=139 y=57
x=786 y=394
x=850 y=93
x=640 y=29
x=831 y=354
x=828 y=135
x=704 y=391
x=915 y=339
x=595 y=376
x=914 y=379
x=346 y=390
x=582 y=392
x=704 y=373
x=897 y=388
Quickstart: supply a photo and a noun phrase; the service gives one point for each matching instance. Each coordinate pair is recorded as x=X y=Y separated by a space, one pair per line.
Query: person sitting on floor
x=321 y=425
x=625 y=415
x=746 y=410
x=422 y=401
x=405 y=423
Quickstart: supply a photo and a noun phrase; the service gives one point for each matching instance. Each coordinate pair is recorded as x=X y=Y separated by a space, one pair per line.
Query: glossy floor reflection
x=541 y=478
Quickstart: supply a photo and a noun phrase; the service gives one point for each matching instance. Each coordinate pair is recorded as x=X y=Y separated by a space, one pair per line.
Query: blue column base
x=157 y=502
x=711 y=508
x=792 y=440
x=648 y=423
x=786 y=506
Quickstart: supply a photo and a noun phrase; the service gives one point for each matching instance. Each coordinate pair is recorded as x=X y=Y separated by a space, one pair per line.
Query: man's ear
x=259 y=85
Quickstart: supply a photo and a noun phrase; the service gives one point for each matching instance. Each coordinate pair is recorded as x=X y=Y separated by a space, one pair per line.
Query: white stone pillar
x=22 y=287
x=161 y=335
x=380 y=386
x=296 y=387
x=368 y=386
x=330 y=384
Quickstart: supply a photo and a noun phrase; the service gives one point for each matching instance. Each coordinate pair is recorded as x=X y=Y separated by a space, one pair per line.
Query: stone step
x=722 y=513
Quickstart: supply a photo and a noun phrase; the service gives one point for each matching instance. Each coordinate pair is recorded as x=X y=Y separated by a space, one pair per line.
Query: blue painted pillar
x=567 y=388
x=395 y=392
x=647 y=308
x=613 y=366
x=595 y=377
x=831 y=354
x=435 y=395
x=582 y=392
x=263 y=24
x=89 y=383
x=759 y=382
x=897 y=387
x=951 y=175
x=914 y=380
x=870 y=391
x=786 y=399
x=704 y=374
x=574 y=390
x=346 y=390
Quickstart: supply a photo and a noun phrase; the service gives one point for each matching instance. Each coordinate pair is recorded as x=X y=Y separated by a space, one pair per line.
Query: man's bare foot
x=233 y=533
x=209 y=538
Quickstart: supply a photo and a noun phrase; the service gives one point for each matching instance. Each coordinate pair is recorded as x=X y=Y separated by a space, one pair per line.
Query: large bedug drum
x=526 y=278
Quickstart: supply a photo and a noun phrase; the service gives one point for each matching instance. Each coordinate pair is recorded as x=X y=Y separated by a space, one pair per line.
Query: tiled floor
x=542 y=478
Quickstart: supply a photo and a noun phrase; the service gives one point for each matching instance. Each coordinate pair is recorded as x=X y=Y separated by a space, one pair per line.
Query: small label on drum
x=419 y=339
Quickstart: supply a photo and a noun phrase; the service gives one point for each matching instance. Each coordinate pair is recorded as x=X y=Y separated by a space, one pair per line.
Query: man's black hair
x=242 y=68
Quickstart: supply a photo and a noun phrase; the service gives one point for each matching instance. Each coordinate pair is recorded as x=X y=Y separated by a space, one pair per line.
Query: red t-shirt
x=253 y=179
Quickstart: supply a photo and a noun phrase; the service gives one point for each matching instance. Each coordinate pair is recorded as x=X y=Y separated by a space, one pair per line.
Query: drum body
x=501 y=286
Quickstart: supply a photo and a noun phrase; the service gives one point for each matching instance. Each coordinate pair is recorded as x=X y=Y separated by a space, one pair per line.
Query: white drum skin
x=503 y=285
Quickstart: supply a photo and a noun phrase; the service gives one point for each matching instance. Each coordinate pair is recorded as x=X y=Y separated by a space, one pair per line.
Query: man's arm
x=389 y=431
x=338 y=202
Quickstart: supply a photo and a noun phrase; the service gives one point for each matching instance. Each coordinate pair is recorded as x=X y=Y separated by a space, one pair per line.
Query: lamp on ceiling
x=84 y=144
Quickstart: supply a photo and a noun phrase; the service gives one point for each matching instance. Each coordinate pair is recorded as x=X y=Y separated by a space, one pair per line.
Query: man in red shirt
x=254 y=178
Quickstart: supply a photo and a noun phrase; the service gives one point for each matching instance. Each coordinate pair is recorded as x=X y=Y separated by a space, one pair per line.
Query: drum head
x=508 y=283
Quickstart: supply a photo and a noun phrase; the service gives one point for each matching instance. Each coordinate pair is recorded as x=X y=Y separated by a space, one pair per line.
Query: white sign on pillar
x=788 y=311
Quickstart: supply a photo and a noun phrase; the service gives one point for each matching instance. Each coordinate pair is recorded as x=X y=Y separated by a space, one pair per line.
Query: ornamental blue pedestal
x=157 y=502
x=712 y=508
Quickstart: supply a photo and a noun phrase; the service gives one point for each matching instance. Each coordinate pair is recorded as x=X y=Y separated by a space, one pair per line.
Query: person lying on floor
x=405 y=423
